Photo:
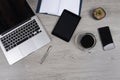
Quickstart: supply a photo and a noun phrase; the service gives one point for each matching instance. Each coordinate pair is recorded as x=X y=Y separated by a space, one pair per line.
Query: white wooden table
x=65 y=61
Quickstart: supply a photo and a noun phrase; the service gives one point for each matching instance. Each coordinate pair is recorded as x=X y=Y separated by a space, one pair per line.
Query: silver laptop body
x=18 y=42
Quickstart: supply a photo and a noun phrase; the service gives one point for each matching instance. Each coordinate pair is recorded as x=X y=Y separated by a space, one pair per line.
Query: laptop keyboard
x=20 y=35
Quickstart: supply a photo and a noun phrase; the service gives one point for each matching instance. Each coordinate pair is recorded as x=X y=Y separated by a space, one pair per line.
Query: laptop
x=21 y=32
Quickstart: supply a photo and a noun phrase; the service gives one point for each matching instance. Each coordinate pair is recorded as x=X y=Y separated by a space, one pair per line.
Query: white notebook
x=56 y=7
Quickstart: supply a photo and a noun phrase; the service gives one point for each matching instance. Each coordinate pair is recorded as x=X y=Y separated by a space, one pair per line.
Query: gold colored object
x=99 y=13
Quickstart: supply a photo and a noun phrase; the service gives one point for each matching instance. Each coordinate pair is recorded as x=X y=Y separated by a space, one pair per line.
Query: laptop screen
x=13 y=12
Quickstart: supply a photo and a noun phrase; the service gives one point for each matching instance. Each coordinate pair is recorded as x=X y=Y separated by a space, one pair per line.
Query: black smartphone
x=66 y=25
x=106 y=38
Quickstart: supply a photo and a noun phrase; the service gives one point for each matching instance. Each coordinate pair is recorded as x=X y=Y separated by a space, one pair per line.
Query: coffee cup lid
x=86 y=43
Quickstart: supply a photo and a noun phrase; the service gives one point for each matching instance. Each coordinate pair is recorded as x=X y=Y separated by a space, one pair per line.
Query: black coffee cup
x=85 y=41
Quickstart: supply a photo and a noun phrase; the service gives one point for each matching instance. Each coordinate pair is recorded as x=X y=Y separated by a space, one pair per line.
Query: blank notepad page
x=56 y=7
x=49 y=6
x=71 y=5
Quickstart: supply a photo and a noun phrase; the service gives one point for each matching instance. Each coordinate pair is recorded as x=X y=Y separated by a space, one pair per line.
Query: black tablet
x=66 y=25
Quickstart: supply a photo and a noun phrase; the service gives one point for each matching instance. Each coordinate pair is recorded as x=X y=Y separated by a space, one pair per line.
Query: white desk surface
x=66 y=61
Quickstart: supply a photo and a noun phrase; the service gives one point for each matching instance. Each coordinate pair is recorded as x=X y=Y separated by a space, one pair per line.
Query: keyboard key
x=20 y=35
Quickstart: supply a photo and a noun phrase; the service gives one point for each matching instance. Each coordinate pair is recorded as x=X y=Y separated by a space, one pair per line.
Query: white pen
x=46 y=54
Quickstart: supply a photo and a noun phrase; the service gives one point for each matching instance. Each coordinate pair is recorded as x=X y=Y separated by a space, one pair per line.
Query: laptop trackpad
x=27 y=47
